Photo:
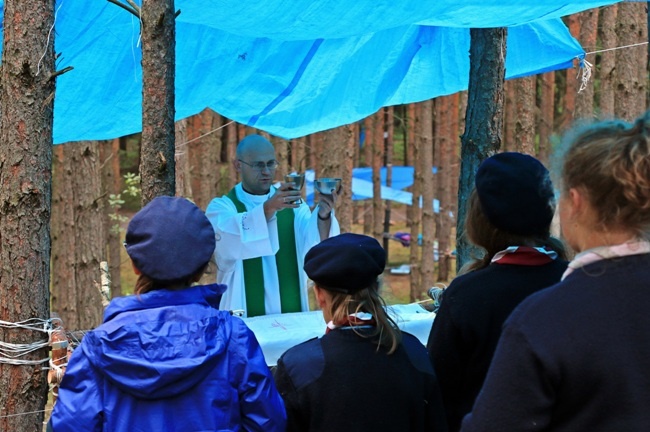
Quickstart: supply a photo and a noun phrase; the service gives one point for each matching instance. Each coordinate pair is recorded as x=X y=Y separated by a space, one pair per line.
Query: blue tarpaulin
x=293 y=68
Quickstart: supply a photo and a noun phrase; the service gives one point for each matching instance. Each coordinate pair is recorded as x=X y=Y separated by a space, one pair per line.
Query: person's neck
x=253 y=193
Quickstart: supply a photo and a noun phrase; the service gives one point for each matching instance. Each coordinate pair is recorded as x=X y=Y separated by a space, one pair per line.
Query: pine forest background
x=93 y=193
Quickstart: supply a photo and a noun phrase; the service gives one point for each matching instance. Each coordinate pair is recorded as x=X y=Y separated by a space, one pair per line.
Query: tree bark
x=631 y=63
x=388 y=163
x=525 y=122
x=414 y=214
x=546 y=118
x=231 y=143
x=571 y=82
x=26 y=104
x=607 y=69
x=203 y=146
x=427 y=273
x=377 y=156
x=484 y=119
x=368 y=124
x=588 y=35
x=447 y=136
x=343 y=205
x=157 y=167
x=109 y=155
x=183 y=174
x=78 y=235
x=510 y=115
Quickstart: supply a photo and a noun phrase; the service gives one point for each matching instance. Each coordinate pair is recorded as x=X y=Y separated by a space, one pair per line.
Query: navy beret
x=345 y=263
x=170 y=239
x=516 y=193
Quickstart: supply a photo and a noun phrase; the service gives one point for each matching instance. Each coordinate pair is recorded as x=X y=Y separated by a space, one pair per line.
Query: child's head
x=170 y=242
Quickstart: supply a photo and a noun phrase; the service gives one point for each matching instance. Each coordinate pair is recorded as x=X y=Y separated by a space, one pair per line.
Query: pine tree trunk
x=415 y=212
x=109 y=155
x=26 y=95
x=588 y=35
x=343 y=205
x=410 y=143
x=388 y=163
x=446 y=136
x=182 y=161
x=368 y=124
x=333 y=164
x=204 y=149
x=428 y=189
x=157 y=167
x=631 y=63
x=298 y=155
x=78 y=235
x=606 y=72
x=524 y=139
x=231 y=145
x=484 y=119
x=377 y=156
x=510 y=115
x=571 y=82
x=546 y=118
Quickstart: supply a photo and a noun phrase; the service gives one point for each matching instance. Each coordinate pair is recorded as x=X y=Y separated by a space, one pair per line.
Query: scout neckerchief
x=607 y=252
x=286 y=260
x=525 y=255
x=358 y=320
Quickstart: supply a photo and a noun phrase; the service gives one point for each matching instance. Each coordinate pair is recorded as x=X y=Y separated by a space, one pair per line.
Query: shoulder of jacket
x=304 y=363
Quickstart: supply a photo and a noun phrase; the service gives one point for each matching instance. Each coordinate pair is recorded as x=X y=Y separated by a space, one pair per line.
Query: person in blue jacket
x=166 y=359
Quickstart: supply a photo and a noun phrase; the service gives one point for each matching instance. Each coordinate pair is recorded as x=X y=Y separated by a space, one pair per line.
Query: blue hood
x=162 y=343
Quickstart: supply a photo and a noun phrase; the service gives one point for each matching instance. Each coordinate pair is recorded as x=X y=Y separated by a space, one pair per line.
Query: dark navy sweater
x=341 y=382
x=467 y=327
x=574 y=357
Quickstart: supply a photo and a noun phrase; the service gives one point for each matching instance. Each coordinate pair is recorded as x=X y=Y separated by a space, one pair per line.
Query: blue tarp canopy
x=292 y=68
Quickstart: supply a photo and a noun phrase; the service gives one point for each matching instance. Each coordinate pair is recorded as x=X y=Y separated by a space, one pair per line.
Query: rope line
x=25 y=413
x=205 y=134
x=616 y=48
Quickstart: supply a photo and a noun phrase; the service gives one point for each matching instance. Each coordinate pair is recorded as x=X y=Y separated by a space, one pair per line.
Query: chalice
x=297 y=181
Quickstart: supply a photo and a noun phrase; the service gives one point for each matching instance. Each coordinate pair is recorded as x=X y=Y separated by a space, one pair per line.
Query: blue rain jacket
x=169 y=361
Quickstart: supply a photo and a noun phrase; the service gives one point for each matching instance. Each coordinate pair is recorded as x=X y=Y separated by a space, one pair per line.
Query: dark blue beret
x=345 y=263
x=170 y=239
x=516 y=193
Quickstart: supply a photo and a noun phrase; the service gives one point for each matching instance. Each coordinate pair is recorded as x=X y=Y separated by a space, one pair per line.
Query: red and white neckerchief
x=525 y=255
x=606 y=252
x=358 y=320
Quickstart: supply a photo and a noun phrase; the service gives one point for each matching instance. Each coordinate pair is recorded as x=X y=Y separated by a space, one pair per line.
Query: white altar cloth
x=279 y=332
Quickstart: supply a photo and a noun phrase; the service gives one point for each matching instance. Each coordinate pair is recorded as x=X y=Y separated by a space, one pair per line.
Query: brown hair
x=482 y=233
x=610 y=162
x=145 y=284
x=368 y=300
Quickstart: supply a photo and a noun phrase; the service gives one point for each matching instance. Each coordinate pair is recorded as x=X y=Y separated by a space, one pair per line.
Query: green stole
x=286 y=260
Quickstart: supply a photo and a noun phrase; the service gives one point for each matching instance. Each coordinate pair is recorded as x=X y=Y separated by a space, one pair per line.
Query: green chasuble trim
x=286 y=260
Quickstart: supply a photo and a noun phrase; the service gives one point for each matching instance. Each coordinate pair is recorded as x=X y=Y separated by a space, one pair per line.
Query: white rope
x=38 y=66
x=10 y=353
x=616 y=48
x=586 y=68
x=25 y=413
x=584 y=74
x=205 y=134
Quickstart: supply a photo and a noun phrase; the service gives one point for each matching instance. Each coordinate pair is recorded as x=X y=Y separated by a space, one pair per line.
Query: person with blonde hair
x=509 y=217
x=166 y=358
x=364 y=374
x=575 y=357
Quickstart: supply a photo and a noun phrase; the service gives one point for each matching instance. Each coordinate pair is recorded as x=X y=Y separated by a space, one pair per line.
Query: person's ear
x=236 y=164
x=320 y=295
x=577 y=202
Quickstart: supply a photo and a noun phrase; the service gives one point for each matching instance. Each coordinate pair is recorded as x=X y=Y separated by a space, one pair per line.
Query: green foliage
x=115 y=202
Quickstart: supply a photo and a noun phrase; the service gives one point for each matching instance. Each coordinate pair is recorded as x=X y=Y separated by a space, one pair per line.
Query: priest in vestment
x=263 y=235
